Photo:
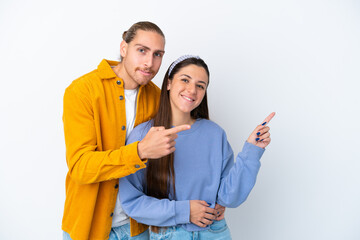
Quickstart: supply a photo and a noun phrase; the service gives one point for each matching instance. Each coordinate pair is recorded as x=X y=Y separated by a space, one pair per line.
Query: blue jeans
x=119 y=233
x=218 y=230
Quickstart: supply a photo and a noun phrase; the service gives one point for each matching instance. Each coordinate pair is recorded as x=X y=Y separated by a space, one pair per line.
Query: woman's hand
x=261 y=136
x=201 y=214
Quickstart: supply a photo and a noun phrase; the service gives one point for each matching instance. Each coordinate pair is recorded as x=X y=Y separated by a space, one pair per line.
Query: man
x=100 y=110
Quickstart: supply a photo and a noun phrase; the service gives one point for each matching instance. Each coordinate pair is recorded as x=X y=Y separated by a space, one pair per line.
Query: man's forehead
x=149 y=39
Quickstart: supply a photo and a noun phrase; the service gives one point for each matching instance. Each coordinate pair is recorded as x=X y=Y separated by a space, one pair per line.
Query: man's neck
x=120 y=71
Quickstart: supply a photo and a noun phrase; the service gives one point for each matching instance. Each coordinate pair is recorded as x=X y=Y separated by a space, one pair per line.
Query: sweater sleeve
x=145 y=209
x=238 y=179
x=150 y=210
x=86 y=164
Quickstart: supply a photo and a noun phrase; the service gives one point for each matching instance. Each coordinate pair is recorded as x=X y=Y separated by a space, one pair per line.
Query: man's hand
x=220 y=212
x=159 y=141
x=201 y=214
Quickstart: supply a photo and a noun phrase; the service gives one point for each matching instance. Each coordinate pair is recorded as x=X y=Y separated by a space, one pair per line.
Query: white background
x=298 y=58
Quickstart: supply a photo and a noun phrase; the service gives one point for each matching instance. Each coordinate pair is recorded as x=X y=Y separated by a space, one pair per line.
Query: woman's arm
x=238 y=179
x=150 y=210
x=158 y=212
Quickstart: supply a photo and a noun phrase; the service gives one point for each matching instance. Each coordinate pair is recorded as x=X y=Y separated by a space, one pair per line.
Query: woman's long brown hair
x=160 y=174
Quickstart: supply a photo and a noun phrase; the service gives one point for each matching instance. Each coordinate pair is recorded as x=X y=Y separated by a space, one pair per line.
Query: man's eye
x=141 y=50
x=157 y=54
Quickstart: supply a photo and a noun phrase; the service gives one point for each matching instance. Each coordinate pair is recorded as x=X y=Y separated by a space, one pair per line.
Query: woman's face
x=187 y=88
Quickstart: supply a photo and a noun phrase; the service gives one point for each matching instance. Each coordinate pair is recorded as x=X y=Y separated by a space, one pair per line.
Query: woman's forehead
x=194 y=72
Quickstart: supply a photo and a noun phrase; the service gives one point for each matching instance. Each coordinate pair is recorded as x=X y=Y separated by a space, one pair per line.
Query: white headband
x=180 y=59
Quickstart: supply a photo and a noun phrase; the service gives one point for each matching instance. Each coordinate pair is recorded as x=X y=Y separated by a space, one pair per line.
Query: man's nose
x=149 y=60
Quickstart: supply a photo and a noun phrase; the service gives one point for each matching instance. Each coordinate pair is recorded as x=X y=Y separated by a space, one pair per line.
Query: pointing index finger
x=178 y=129
x=268 y=118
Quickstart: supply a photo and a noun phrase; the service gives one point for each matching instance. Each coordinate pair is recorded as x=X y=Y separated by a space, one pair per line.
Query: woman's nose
x=191 y=88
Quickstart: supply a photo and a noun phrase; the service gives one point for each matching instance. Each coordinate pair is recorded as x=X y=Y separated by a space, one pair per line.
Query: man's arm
x=86 y=165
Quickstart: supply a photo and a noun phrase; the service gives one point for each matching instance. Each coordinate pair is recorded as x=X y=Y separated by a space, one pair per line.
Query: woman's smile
x=187 y=89
x=187 y=98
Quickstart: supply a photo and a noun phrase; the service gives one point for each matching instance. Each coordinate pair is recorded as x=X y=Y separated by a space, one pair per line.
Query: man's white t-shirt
x=119 y=217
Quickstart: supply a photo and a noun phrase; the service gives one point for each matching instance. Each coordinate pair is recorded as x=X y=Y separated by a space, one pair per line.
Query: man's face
x=142 y=57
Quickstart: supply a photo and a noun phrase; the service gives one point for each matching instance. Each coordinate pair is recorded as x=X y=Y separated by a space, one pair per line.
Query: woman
x=202 y=166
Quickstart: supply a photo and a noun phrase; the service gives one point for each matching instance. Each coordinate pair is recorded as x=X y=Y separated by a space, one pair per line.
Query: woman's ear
x=168 y=84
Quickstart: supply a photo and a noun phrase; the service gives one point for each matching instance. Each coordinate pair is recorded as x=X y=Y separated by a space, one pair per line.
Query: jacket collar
x=106 y=72
x=104 y=69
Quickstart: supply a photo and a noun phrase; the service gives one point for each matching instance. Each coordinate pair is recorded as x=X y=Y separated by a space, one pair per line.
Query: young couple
x=180 y=193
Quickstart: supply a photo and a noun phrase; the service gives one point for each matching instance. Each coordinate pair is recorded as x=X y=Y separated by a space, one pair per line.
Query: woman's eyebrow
x=191 y=78
x=186 y=75
x=202 y=82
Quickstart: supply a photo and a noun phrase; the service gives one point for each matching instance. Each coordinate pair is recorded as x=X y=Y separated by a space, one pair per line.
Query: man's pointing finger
x=177 y=129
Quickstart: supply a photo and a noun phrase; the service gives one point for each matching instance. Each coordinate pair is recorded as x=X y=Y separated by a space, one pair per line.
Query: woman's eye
x=141 y=50
x=185 y=80
x=201 y=87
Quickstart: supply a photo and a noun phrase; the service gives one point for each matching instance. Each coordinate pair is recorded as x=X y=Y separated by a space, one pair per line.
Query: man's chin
x=144 y=81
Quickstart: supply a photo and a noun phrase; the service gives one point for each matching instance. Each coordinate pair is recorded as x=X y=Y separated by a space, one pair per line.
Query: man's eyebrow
x=140 y=45
x=147 y=48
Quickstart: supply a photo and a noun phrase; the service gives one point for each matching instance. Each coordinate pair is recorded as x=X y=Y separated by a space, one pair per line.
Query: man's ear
x=123 y=48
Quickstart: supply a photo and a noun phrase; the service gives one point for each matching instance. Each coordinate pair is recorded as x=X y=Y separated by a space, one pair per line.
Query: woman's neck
x=181 y=119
